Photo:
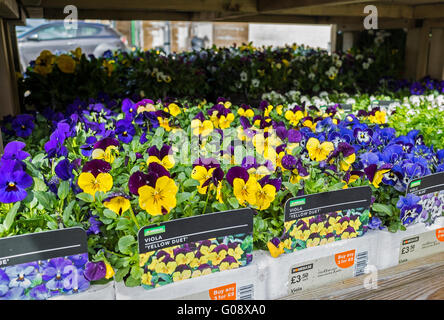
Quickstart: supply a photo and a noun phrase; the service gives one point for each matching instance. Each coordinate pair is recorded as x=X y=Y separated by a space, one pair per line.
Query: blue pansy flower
x=23 y=125
x=410 y=209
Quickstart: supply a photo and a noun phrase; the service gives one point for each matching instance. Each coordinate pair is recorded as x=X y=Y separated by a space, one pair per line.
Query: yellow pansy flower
x=228 y=266
x=117 y=204
x=108 y=154
x=44 y=63
x=294 y=117
x=167 y=268
x=346 y=163
x=164 y=123
x=225 y=121
x=245 y=191
x=167 y=161
x=174 y=109
x=202 y=128
x=236 y=252
x=91 y=184
x=264 y=196
x=159 y=200
x=319 y=151
x=109 y=271
x=184 y=258
x=201 y=174
x=144 y=257
x=66 y=64
x=380 y=117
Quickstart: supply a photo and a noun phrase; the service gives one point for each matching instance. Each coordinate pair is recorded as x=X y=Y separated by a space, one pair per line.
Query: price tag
x=191 y=247
x=421 y=245
x=318 y=272
x=325 y=217
x=430 y=189
x=24 y=259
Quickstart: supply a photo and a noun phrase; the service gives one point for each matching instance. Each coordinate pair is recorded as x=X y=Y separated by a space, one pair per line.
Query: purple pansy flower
x=23 y=125
x=13 y=182
x=95 y=270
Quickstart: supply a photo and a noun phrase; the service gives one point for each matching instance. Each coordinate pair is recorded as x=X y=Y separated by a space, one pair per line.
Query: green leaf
x=68 y=210
x=233 y=202
x=45 y=199
x=122 y=272
x=132 y=282
x=125 y=243
x=382 y=209
x=85 y=197
x=39 y=185
x=136 y=272
x=10 y=217
x=109 y=214
x=190 y=183
x=63 y=190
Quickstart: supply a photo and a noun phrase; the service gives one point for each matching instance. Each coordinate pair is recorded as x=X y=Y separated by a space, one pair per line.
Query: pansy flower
x=87 y=148
x=200 y=126
x=129 y=108
x=106 y=149
x=125 y=130
x=244 y=186
x=14 y=151
x=117 y=202
x=276 y=247
x=13 y=181
x=161 y=198
x=23 y=124
x=375 y=173
x=163 y=156
x=294 y=116
x=319 y=151
x=182 y=272
x=245 y=111
x=410 y=208
x=363 y=136
x=346 y=153
x=54 y=147
x=95 y=177
x=266 y=192
x=173 y=109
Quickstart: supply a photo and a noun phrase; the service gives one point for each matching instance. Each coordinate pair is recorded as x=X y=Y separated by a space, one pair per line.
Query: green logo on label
x=153 y=231
x=298 y=202
x=415 y=183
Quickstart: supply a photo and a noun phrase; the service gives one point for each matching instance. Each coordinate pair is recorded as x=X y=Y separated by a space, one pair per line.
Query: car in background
x=92 y=38
x=30 y=24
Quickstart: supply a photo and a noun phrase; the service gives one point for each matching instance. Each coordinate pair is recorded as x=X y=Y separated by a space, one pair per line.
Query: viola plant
x=113 y=166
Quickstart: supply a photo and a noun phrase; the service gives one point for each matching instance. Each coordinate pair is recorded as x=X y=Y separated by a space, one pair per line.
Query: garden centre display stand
x=95 y=292
x=237 y=284
x=394 y=248
x=317 y=266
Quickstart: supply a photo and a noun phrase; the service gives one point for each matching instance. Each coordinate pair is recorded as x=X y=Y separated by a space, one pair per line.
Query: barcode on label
x=246 y=292
x=361 y=263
